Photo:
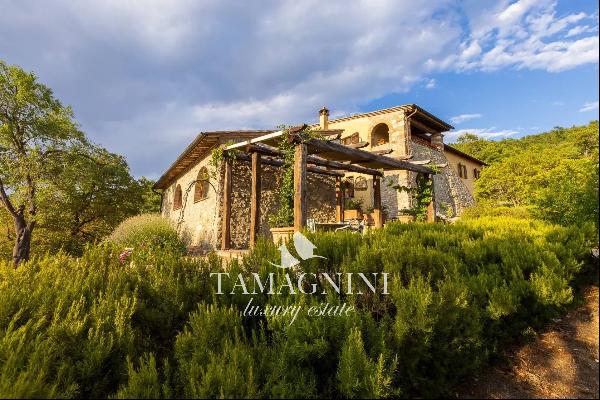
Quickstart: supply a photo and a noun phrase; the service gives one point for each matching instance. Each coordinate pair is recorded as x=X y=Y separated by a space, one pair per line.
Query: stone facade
x=199 y=222
x=320 y=200
x=450 y=192
x=196 y=221
x=454 y=160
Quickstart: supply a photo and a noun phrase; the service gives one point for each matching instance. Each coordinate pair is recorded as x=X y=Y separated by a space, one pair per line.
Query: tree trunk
x=22 y=246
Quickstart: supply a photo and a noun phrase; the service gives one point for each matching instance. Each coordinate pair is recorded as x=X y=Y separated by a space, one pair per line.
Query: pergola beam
x=358 y=145
x=279 y=163
x=343 y=166
x=365 y=156
x=356 y=155
x=311 y=159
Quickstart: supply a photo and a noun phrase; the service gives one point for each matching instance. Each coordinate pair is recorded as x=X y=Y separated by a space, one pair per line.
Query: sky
x=145 y=77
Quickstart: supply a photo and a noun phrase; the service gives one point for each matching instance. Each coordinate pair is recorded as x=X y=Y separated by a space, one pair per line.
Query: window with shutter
x=177 y=201
x=202 y=185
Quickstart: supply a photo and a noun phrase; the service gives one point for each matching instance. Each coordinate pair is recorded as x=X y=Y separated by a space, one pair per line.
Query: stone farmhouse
x=228 y=209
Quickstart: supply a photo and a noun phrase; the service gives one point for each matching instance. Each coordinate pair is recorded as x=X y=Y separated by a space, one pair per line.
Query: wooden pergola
x=320 y=156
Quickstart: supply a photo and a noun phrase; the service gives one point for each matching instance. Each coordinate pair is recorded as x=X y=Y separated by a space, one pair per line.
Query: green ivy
x=285 y=214
x=422 y=194
x=217 y=157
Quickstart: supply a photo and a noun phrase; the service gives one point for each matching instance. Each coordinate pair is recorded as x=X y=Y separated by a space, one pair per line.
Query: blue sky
x=145 y=77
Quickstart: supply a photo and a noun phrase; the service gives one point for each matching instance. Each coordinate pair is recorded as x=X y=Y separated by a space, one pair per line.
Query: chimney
x=324 y=118
x=437 y=141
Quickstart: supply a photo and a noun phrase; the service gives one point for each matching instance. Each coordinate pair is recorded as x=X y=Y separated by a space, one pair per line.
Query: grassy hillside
x=553 y=174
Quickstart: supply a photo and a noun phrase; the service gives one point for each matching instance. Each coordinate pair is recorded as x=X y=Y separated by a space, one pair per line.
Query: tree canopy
x=554 y=173
x=52 y=178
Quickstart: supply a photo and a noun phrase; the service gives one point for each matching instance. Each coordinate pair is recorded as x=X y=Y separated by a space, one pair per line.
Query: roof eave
x=463 y=154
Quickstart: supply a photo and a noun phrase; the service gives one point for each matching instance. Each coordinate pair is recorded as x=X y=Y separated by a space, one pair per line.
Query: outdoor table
x=329 y=226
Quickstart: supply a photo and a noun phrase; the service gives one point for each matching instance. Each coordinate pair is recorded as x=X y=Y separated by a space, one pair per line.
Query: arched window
x=201 y=188
x=177 y=201
x=380 y=135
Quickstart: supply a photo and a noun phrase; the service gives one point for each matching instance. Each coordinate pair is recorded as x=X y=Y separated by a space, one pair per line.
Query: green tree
x=150 y=199
x=94 y=194
x=555 y=174
x=468 y=138
x=34 y=128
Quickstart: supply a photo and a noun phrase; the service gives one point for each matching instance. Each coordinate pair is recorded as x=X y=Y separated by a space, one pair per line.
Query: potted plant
x=370 y=213
x=353 y=209
x=282 y=224
x=406 y=216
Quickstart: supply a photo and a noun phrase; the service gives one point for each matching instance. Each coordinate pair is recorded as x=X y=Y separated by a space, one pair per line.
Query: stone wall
x=389 y=195
x=449 y=189
x=320 y=200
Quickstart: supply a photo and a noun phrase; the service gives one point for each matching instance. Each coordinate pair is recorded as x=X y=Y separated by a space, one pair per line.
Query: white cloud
x=580 y=29
x=589 y=106
x=459 y=119
x=147 y=72
x=525 y=34
x=486 y=133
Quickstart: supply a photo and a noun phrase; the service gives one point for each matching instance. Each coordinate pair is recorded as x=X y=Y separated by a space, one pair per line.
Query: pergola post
x=300 y=186
x=377 y=215
x=339 y=200
x=226 y=218
x=255 y=198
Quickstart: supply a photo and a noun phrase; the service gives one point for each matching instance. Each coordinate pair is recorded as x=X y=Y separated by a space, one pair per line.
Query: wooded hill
x=553 y=174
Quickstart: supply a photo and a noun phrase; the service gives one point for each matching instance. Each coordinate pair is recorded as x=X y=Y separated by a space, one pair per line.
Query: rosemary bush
x=152 y=325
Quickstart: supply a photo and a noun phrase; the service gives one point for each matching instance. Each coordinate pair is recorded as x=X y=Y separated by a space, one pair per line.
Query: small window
x=476 y=173
x=462 y=171
x=202 y=185
x=360 y=184
x=352 y=139
x=177 y=201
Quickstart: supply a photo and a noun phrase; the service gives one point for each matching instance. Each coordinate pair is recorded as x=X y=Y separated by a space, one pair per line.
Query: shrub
x=69 y=325
x=151 y=325
x=147 y=231
x=487 y=209
x=144 y=382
